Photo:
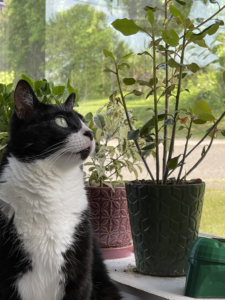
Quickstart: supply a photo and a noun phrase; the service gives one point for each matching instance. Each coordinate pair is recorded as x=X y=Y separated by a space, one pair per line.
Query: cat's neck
x=42 y=187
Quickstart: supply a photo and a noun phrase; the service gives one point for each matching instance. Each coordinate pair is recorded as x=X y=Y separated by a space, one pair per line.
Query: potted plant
x=46 y=92
x=105 y=185
x=165 y=213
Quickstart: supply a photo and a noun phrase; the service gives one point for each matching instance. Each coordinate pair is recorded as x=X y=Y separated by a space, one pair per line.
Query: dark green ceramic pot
x=165 y=222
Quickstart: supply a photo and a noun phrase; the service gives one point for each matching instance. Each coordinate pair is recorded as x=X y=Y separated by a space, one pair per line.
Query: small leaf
x=181 y=128
x=206 y=117
x=137 y=93
x=172 y=164
x=129 y=81
x=28 y=79
x=224 y=76
x=151 y=81
x=176 y=13
x=145 y=52
x=193 y=67
x=213 y=1
x=170 y=37
x=149 y=147
x=151 y=17
x=181 y=2
x=126 y=27
x=108 y=71
x=108 y=54
x=201 y=43
x=204 y=150
x=201 y=107
x=88 y=117
x=133 y=134
x=161 y=66
x=223 y=132
x=153 y=9
x=143 y=83
x=168 y=122
x=184 y=74
x=198 y=121
x=127 y=56
x=173 y=64
x=99 y=121
x=120 y=67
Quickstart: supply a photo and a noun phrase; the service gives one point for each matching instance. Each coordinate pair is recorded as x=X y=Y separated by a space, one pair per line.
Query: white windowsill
x=123 y=272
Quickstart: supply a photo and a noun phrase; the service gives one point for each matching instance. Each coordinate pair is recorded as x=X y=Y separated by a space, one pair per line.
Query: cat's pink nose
x=90 y=134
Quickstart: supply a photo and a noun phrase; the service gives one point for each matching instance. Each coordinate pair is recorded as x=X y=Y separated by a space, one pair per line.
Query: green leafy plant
x=46 y=92
x=166 y=44
x=113 y=151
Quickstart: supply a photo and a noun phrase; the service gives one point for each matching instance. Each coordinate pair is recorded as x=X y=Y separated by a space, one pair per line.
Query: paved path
x=211 y=170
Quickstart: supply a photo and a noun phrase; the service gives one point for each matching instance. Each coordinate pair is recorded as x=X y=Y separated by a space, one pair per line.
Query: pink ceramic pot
x=110 y=221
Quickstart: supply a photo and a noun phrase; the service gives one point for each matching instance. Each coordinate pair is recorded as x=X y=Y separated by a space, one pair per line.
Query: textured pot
x=165 y=222
x=110 y=221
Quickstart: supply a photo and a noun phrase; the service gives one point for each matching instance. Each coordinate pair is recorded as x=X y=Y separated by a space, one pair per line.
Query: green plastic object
x=206 y=269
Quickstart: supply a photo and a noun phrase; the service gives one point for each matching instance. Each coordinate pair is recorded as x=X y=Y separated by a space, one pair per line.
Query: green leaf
x=145 y=52
x=58 y=90
x=129 y=81
x=173 y=64
x=151 y=81
x=223 y=132
x=170 y=37
x=88 y=117
x=108 y=54
x=193 y=67
x=200 y=107
x=126 y=27
x=213 y=1
x=28 y=79
x=143 y=83
x=201 y=43
x=181 y=128
x=184 y=74
x=161 y=66
x=108 y=71
x=127 y=56
x=224 y=76
x=172 y=164
x=99 y=121
x=209 y=30
x=120 y=67
x=133 y=135
x=151 y=17
x=168 y=122
x=198 y=121
x=149 y=123
x=137 y=93
x=181 y=2
x=2 y=88
x=176 y=13
x=153 y=9
x=206 y=117
x=149 y=147
x=9 y=87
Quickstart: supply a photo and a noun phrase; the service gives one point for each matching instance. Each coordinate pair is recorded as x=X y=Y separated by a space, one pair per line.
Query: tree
x=74 y=42
x=23 y=39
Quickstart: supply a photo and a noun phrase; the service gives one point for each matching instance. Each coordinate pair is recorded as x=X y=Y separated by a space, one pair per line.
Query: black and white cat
x=47 y=248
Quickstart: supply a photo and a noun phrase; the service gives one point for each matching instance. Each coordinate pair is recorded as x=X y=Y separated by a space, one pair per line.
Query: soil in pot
x=165 y=222
x=110 y=221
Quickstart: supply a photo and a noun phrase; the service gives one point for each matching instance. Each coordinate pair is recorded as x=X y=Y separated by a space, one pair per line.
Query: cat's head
x=46 y=131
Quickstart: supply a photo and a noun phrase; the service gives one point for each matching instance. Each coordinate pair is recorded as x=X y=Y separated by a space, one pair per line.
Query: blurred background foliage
x=64 y=39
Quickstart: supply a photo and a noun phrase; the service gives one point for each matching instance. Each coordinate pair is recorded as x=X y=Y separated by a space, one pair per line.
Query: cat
x=47 y=247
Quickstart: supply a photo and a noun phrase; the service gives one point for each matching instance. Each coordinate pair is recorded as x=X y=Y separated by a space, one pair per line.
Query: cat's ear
x=25 y=101
x=70 y=101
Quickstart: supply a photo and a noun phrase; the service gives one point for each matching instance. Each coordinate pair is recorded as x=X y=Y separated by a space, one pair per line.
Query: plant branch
x=176 y=112
x=201 y=159
x=130 y=125
x=155 y=108
x=185 y=151
x=211 y=16
x=166 y=99
x=204 y=137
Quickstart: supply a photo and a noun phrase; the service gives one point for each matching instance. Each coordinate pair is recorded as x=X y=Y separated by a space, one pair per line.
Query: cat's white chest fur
x=48 y=205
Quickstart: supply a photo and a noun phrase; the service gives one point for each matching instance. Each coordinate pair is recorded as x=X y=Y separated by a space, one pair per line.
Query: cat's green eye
x=61 y=122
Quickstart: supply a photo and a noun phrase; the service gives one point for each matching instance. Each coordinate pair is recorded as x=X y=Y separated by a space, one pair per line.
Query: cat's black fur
x=32 y=131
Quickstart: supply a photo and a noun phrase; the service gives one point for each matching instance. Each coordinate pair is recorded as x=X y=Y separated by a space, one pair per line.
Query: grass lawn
x=213 y=220
x=139 y=110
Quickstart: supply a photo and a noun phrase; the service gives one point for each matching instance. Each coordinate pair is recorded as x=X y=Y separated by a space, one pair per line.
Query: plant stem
x=155 y=108
x=204 y=137
x=176 y=111
x=185 y=151
x=130 y=125
x=211 y=16
x=201 y=159
x=166 y=101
